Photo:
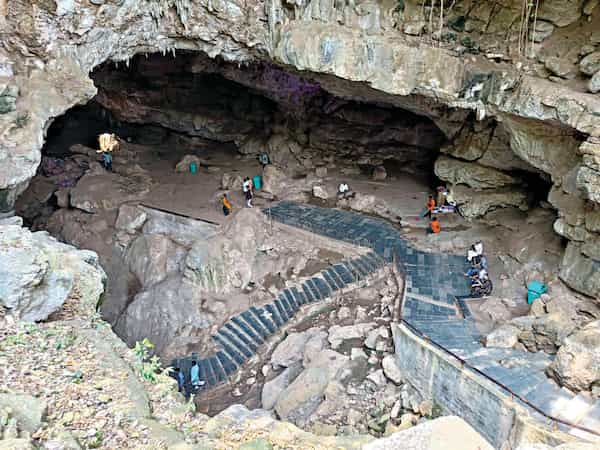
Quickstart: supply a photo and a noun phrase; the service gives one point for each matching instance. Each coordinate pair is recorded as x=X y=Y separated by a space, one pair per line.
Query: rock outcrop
x=39 y=274
x=577 y=363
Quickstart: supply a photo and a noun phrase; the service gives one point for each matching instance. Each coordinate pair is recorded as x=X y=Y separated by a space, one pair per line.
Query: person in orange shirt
x=434 y=226
x=430 y=206
x=226 y=205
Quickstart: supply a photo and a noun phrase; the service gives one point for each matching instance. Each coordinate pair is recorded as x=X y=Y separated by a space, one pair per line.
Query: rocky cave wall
x=472 y=61
x=264 y=108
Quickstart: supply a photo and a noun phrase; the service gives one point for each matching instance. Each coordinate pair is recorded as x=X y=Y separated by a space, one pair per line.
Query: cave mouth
x=166 y=109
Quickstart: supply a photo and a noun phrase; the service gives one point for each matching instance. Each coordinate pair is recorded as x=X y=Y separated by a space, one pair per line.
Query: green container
x=257 y=182
x=193 y=167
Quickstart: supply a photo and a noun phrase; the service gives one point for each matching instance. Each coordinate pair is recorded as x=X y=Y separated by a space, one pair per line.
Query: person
x=247 y=188
x=180 y=379
x=434 y=226
x=483 y=262
x=430 y=207
x=478 y=247
x=473 y=257
x=344 y=191
x=473 y=271
x=264 y=160
x=107 y=161
x=195 y=375
x=226 y=205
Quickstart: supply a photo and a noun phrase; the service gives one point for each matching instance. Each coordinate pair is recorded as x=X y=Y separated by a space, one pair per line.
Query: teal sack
x=257 y=182
x=193 y=167
x=534 y=290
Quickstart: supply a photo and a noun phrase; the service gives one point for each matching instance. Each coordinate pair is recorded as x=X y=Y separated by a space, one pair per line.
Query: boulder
x=594 y=83
x=319 y=191
x=172 y=314
x=558 y=66
x=301 y=398
x=184 y=164
x=473 y=203
x=449 y=432
x=577 y=363
x=391 y=369
x=542 y=30
x=560 y=12
x=226 y=261
x=472 y=174
x=29 y=411
x=377 y=378
x=272 y=389
x=590 y=64
x=328 y=360
x=545 y=333
x=291 y=349
x=39 y=274
x=231 y=181
x=130 y=218
x=505 y=336
x=339 y=334
x=152 y=258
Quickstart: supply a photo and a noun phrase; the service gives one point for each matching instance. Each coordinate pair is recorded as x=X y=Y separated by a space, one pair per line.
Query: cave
x=318 y=131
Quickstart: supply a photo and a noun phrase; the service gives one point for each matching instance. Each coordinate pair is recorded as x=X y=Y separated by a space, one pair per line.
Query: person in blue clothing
x=195 y=375
x=180 y=379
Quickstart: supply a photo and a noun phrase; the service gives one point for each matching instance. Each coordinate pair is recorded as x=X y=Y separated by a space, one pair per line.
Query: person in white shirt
x=479 y=248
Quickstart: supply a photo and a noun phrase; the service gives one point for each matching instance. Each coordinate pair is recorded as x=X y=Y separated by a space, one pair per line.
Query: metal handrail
x=497 y=383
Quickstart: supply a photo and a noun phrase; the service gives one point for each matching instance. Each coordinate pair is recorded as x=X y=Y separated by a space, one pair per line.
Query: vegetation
x=149 y=366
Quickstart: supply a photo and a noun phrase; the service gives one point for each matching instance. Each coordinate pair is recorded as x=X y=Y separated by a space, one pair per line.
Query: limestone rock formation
x=577 y=363
x=474 y=175
x=39 y=274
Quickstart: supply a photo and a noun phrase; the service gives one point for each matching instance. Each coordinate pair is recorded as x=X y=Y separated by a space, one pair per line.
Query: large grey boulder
x=590 y=64
x=39 y=274
x=577 y=363
x=292 y=348
x=303 y=396
x=472 y=174
x=449 y=432
x=227 y=260
x=29 y=411
x=272 y=389
x=152 y=258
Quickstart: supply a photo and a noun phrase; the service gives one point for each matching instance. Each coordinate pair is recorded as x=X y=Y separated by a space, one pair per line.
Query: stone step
x=263 y=317
x=256 y=337
x=315 y=292
x=282 y=310
x=356 y=272
x=324 y=290
x=336 y=277
x=230 y=339
x=343 y=273
x=232 y=352
x=206 y=372
x=255 y=324
x=217 y=369
x=241 y=336
x=299 y=296
x=291 y=300
x=289 y=310
x=330 y=281
x=228 y=365
x=276 y=317
x=310 y=297
x=361 y=267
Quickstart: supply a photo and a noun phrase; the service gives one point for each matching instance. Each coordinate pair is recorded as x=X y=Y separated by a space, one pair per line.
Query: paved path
x=433 y=283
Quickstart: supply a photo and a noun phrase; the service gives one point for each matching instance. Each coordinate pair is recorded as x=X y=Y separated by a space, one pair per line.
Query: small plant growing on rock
x=149 y=366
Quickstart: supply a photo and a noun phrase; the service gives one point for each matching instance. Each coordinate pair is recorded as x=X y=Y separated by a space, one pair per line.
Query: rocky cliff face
x=456 y=67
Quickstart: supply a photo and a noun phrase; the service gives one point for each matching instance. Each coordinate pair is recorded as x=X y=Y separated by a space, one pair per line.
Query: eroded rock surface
x=39 y=274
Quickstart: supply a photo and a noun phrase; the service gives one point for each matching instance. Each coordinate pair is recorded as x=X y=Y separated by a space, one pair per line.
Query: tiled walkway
x=433 y=283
